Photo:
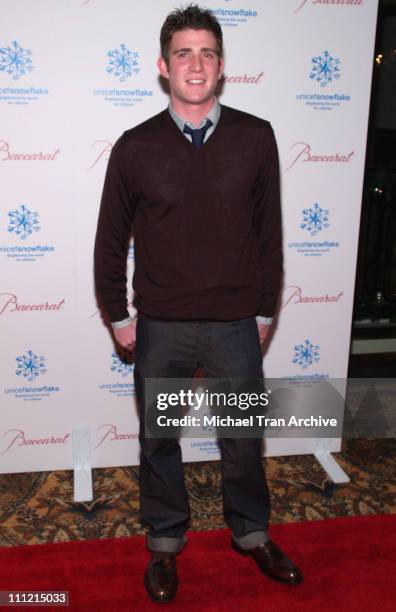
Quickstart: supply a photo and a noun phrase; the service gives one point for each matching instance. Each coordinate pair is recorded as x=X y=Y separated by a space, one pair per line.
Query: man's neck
x=193 y=113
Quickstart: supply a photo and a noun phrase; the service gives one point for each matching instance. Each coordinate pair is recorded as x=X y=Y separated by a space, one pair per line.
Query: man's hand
x=263 y=333
x=126 y=336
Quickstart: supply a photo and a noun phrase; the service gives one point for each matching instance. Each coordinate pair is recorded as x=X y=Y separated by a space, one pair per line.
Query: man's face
x=194 y=67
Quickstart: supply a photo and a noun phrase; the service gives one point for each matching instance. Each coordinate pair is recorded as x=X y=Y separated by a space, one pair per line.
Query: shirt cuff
x=264 y=320
x=120 y=324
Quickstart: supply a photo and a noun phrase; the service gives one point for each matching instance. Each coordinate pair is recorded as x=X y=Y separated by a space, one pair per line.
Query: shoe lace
x=167 y=561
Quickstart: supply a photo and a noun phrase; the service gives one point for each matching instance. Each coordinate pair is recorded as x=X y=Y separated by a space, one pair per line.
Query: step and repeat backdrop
x=73 y=76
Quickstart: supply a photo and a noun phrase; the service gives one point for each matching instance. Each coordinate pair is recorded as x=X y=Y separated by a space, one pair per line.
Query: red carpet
x=348 y=563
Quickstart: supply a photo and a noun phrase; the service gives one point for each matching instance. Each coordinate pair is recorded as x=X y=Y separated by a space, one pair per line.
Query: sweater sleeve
x=113 y=233
x=268 y=225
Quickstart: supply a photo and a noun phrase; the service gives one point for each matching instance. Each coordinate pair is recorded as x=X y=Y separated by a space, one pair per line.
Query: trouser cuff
x=252 y=539
x=172 y=545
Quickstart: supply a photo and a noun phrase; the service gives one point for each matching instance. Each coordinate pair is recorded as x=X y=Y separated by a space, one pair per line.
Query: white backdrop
x=305 y=65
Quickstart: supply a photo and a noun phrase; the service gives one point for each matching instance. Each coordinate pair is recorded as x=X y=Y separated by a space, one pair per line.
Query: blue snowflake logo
x=315 y=219
x=306 y=353
x=23 y=222
x=121 y=366
x=30 y=366
x=123 y=63
x=15 y=61
x=325 y=69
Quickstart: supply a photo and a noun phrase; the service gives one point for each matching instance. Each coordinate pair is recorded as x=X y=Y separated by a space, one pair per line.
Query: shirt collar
x=213 y=115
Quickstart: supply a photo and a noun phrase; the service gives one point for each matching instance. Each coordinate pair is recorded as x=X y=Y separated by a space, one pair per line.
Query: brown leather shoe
x=160 y=578
x=272 y=562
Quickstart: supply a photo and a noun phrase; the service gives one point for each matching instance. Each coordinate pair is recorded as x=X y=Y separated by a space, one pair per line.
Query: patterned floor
x=38 y=507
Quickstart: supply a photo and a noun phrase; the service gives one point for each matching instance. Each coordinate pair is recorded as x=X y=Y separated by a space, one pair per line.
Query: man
x=200 y=183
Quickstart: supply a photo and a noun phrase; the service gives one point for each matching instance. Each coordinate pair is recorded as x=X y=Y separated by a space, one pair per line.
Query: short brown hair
x=191 y=17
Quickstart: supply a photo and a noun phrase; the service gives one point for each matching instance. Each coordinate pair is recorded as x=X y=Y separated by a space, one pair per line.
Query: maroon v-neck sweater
x=206 y=222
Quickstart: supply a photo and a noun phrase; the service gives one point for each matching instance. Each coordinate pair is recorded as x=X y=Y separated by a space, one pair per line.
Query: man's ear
x=163 y=68
x=221 y=68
